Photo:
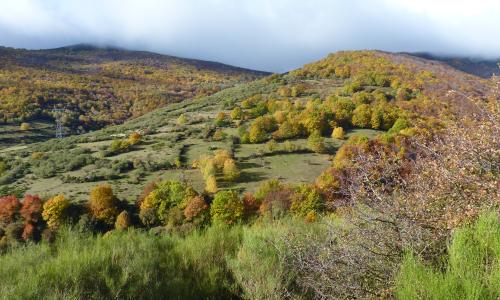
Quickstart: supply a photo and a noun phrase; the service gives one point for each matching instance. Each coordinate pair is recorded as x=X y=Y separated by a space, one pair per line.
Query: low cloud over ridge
x=275 y=35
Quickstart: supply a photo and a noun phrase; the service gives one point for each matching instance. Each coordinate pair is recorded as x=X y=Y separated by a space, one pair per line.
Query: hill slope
x=276 y=127
x=484 y=68
x=102 y=86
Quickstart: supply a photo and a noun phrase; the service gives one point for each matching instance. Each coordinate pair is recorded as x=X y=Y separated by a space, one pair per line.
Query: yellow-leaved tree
x=103 y=205
x=54 y=210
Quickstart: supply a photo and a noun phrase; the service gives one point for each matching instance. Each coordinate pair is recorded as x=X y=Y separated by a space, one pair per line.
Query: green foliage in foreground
x=472 y=270
x=121 y=265
x=220 y=262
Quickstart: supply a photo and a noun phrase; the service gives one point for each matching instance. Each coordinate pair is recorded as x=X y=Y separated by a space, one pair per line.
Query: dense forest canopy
x=102 y=86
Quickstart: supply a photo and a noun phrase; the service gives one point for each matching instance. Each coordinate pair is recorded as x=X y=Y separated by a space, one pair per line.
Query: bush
x=259 y=266
x=230 y=170
x=9 y=209
x=399 y=125
x=55 y=211
x=211 y=184
x=305 y=200
x=25 y=126
x=227 y=207
x=166 y=196
x=472 y=270
x=126 y=265
x=134 y=138
x=31 y=211
x=338 y=133
x=316 y=143
x=362 y=116
x=122 y=221
x=197 y=210
x=103 y=204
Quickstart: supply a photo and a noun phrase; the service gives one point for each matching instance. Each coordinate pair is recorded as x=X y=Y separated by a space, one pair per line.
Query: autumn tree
x=25 y=126
x=227 y=207
x=31 y=212
x=230 y=170
x=196 y=209
x=123 y=221
x=236 y=114
x=103 y=204
x=221 y=119
x=338 y=133
x=166 y=196
x=305 y=200
x=316 y=143
x=134 y=138
x=361 y=116
x=55 y=211
x=9 y=209
x=343 y=109
x=211 y=184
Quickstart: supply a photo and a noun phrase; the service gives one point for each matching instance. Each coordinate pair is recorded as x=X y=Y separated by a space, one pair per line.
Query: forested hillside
x=481 y=67
x=366 y=174
x=102 y=86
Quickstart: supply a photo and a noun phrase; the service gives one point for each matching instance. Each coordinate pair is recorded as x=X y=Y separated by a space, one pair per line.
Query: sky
x=270 y=35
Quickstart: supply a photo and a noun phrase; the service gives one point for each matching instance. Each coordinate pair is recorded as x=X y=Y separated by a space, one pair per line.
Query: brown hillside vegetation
x=102 y=86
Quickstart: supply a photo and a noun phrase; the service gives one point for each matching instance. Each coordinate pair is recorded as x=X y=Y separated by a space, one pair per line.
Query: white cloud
x=264 y=34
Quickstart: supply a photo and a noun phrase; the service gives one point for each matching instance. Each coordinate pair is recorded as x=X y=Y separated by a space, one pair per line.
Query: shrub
x=316 y=142
x=134 y=138
x=472 y=271
x=31 y=211
x=259 y=265
x=196 y=208
x=338 y=133
x=103 y=204
x=9 y=209
x=211 y=184
x=219 y=135
x=362 y=116
x=221 y=119
x=145 y=192
x=230 y=170
x=123 y=221
x=236 y=114
x=227 y=207
x=119 y=146
x=166 y=196
x=181 y=120
x=25 y=126
x=305 y=200
x=399 y=125
x=55 y=211
x=266 y=187
x=276 y=203
x=272 y=146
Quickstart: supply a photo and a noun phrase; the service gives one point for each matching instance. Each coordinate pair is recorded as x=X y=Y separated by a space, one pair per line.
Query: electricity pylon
x=58 y=113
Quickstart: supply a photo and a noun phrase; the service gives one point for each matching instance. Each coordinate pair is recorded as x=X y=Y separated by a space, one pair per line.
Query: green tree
x=316 y=142
x=168 y=194
x=307 y=199
x=362 y=116
x=227 y=207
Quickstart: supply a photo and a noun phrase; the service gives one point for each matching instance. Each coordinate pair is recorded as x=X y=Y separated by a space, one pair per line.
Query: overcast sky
x=272 y=35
